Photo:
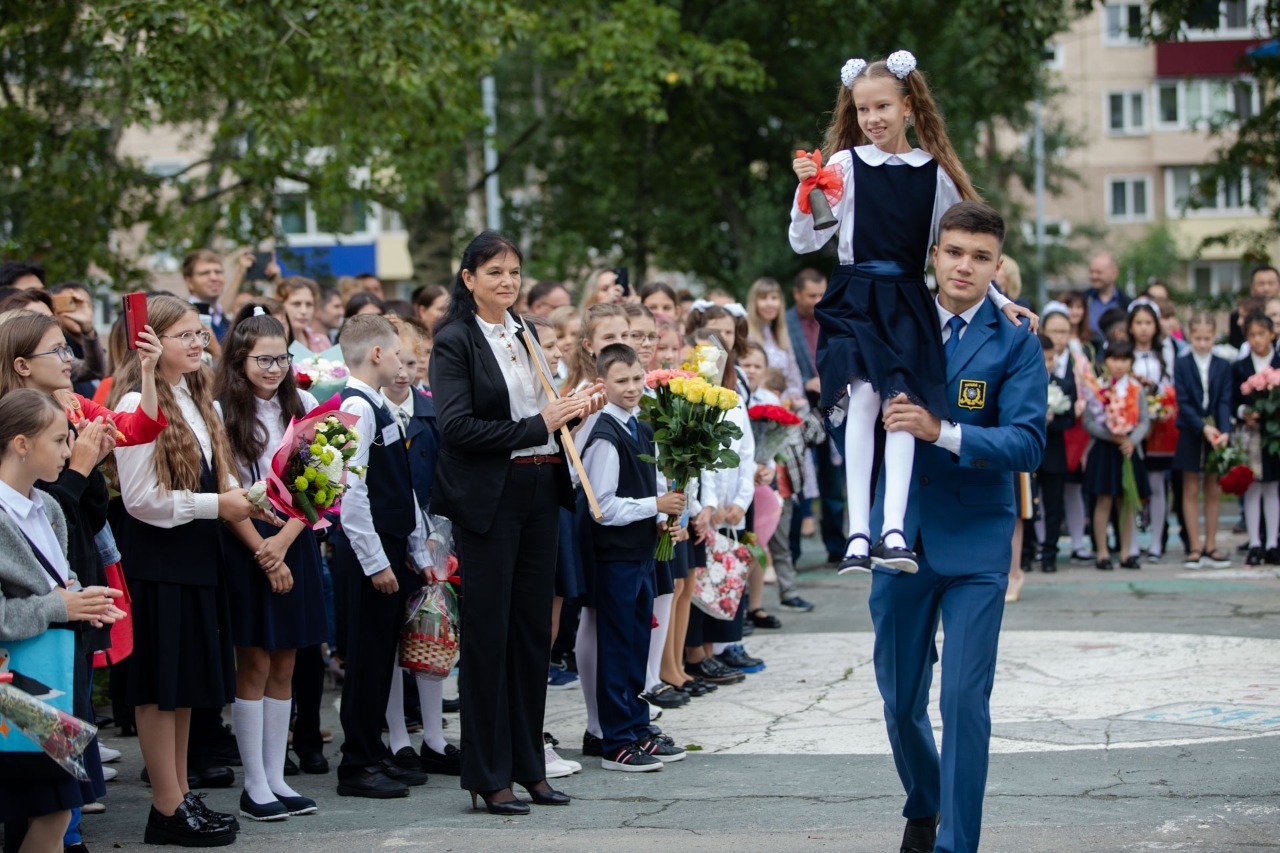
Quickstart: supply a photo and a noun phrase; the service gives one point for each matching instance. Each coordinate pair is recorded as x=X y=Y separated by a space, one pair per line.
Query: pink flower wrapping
x=300 y=433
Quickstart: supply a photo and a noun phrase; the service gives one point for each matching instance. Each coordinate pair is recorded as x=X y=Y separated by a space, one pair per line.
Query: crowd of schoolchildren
x=117 y=462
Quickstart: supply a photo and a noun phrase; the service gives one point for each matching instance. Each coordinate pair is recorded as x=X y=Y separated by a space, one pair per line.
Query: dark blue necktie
x=955 y=324
x=634 y=426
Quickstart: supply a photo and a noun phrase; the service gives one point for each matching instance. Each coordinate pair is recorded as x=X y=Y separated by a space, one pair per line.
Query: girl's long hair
x=178 y=453
x=697 y=318
x=1081 y=330
x=486 y=246
x=19 y=338
x=582 y=364
x=756 y=323
x=246 y=435
x=931 y=130
x=1157 y=342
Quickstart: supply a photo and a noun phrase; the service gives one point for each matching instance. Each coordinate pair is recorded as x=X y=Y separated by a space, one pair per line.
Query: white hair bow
x=901 y=63
x=736 y=310
x=258 y=311
x=1142 y=300
x=851 y=70
x=701 y=305
x=1055 y=307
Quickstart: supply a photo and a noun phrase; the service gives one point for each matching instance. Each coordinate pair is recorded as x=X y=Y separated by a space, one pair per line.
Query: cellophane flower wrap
x=772 y=426
x=1264 y=389
x=1058 y=403
x=59 y=735
x=309 y=471
x=430 y=635
x=718 y=586
x=323 y=377
x=1230 y=462
x=1120 y=401
x=687 y=413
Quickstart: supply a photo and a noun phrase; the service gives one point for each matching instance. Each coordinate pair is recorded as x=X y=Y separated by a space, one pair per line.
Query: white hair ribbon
x=851 y=70
x=701 y=305
x=1055 y=307
x=1142 y=300
x=258 y=311
x=736 y=310
x=901 y=63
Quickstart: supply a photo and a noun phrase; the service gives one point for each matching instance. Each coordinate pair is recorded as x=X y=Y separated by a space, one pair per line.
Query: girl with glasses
x=273 y=573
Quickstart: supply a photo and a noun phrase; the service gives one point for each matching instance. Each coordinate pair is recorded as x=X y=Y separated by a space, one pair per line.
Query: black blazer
x=477 y=434
x=1054 y=460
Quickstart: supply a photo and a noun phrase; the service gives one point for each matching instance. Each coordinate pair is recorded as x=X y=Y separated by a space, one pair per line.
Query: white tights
x=658 y=641
x=1073 y=506
x=859 y=456
x=587 y=655
x=1262 y=498
x=431 y=702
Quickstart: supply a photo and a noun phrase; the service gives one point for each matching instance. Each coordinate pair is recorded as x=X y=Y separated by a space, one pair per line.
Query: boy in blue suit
x=960 y=520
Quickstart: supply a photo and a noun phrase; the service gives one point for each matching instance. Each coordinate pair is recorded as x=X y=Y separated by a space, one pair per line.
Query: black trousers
x=373 y=632
x=1053 y=488
x=308 y=692
x=508 y=581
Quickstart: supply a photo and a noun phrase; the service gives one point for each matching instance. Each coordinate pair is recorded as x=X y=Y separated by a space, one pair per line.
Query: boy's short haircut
x=615 y=354
x=753 y=346
x=775 y=380
x=973 y=217
x=1112 y=317
x=1168 y=311
x=1046 y=343
x=1118 y=349
x=362 y=333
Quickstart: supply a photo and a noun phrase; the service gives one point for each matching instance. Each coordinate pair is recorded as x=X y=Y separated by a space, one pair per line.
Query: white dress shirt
x=804 y=239
x=523 y=387
x=1202 y=365
x=28 y=512
x=269 y=416
x=356 y=514
x=733 y=486
x=601 y=463
x=143 y=496
x=950 y=432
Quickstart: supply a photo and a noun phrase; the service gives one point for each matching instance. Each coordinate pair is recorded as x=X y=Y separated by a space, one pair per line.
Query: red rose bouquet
x=1230 y=461
x=771 y=425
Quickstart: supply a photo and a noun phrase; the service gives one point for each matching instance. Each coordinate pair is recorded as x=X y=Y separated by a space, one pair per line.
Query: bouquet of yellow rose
x=688 y=417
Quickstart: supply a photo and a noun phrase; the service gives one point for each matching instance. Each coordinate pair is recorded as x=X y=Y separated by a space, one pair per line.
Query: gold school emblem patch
x=973 y=394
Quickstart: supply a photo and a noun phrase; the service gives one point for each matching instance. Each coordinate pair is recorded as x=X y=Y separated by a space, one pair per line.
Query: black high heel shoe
x=496 y=806
x=543 y=794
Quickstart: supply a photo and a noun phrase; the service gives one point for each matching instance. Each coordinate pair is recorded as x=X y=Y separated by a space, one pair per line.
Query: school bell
x=823 y=218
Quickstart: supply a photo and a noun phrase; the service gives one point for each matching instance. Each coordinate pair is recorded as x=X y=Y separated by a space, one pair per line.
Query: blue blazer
x=962 y=507
x=423 y=441
x=799 y=345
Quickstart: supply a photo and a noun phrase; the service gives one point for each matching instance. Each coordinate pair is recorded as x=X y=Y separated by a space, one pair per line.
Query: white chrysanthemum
x=851 y=70
x=901 y=63
x=258 y=495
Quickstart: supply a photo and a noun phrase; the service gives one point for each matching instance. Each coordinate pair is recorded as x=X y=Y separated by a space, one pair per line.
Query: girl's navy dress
x=879 y=323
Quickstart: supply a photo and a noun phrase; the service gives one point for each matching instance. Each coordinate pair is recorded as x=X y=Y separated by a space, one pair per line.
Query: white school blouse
x=28 y=513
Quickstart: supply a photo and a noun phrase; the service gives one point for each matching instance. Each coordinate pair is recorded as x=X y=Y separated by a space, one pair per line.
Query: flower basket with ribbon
x=430 y=635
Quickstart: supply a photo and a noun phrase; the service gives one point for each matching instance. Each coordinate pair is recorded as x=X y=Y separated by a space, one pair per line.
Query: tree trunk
x=430 y=228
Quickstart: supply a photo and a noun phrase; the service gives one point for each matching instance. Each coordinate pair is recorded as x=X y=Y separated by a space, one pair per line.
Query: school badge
x=973 y=393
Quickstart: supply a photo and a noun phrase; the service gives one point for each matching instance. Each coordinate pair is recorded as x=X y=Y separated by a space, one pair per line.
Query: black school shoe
x=592 y=745
x=714 y=672
x=411 y=776
x=447 y=763
x=920 y=835
x=195 y=802
x=666 y=696
x=1273 y=556
x=631 y=759
x=185 y=828
x=406 y=759
x=846 y=565
x=312 y=762
x=271 y=811
x=372 y=783
x=1104 y=565
x=902 y=559
x=207 y=777
x=1131 y=563
x=1255 y=557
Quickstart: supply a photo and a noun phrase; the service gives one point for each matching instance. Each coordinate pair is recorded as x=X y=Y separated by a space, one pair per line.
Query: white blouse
x=144 y=498
x=523 y=387
x=269 y=416
x=28 y=512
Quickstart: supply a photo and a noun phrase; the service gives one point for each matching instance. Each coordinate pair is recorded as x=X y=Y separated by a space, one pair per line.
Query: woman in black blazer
x=501 y=477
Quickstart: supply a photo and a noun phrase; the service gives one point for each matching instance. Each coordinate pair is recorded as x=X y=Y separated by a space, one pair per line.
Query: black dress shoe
x=1050 y=568
x=312 y=762
x=273 y=810
x=451 y=706
x=920 y=835
x=500 y=802
x=372 y=783
x=405 y=758
x=298 y=805
x=413 y=777
x=591 y=745
x=195 y=802
x=543 y=794
x=447 y=763
x=185 y=828
x=207 y=777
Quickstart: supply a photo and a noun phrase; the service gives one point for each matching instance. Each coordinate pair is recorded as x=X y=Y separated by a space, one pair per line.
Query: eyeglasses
x=265 y=362
x=644 y=339
x=63 y=353
x=188 y=339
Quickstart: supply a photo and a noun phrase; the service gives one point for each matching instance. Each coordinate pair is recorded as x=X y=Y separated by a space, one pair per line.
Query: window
x=1191 y=104
x=1056 y=231
x=1054 y=57
x=291 y=208
x=1128 y=198
x=1123 y=24
x=1126 y=112
x=1245 y=193
x=1230 y=19
x=1214 y=278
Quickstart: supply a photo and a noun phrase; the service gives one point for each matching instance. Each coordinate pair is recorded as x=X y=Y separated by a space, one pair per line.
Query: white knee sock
x=1271 y=511
x=431 y=700
x=396 y=729
x=658 y=640
x=1073 y=509
x=1159 y=511
x=275 y=742
x=718 y=648
x=859 y=457
x=899 y=458
x=1253 y=513
x=586 y=653
x=246 y=716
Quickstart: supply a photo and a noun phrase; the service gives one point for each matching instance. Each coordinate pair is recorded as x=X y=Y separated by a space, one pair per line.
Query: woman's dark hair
x=485 y=247
x=20 y=300
x=1071 y=299
x=359 y=300
x=651 y=287
x=1157 y=342
x=1118 y=349
x=425 y=296
x=399 y=307
x=233 y=390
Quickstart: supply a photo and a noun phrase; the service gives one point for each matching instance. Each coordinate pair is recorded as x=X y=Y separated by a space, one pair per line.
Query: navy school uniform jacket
x=1192 y=413
x=1054 y=460
x=423 y=443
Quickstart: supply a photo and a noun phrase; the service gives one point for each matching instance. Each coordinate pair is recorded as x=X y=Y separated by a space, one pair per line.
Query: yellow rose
x=677 y=385
x=694 y=394
x=728 y=399
x=712 y=395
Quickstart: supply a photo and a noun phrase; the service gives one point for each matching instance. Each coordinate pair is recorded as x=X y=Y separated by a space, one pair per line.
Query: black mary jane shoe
x=854 y=563
x=543 y=794
x=902 y=559
x=495 y=803
x=762 y=619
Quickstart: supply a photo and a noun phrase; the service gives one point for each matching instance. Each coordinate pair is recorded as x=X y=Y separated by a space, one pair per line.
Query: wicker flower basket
x=423 y=653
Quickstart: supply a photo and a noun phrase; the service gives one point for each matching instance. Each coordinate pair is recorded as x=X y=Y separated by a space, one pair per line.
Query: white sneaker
x=109 y=773
x=107 y=754
x=556 y=767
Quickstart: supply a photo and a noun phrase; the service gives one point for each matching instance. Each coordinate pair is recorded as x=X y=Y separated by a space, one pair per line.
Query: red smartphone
x=135 y=316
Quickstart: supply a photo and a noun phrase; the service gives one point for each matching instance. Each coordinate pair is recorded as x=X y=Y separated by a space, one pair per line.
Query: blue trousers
x=624 y=623
x=905 y=610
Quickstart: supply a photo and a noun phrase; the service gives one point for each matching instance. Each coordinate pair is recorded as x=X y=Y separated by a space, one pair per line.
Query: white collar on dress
x=873 y=156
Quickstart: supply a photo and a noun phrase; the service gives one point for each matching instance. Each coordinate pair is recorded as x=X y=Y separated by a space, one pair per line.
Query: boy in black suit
x=1052 y=474
x=622 y=545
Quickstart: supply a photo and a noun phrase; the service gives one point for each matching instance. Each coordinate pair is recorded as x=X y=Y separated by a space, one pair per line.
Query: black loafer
x=902 y=559
x=591 y=745
x=1131 y=563
x=313 y=762
x=185 y=828
x=372 y=783
x=447 y=763
x=851 y=564
x=761 y=619
x=413 y=777
x=666 y=696
x=920 y=835
x=405 y=758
